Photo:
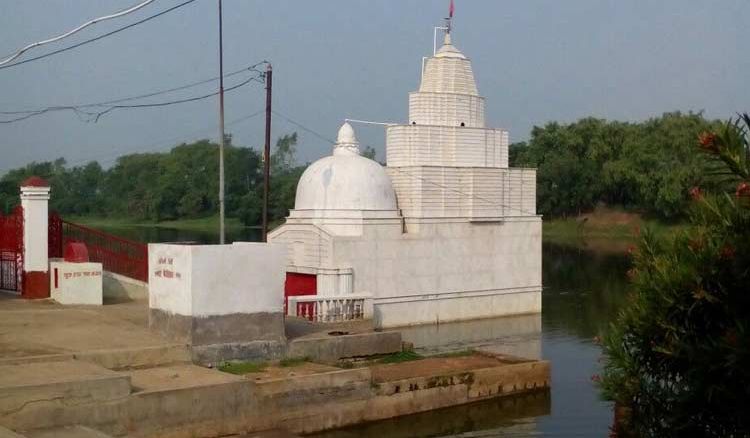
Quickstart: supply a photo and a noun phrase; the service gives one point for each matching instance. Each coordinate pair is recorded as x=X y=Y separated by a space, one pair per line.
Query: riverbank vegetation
x=677 y=360
x=641 y=169
x=178 y=188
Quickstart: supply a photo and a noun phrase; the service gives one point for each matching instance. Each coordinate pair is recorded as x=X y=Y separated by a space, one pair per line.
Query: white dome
x=345 y=180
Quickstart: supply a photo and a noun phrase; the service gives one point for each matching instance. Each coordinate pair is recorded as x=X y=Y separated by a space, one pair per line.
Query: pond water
x=583 y=291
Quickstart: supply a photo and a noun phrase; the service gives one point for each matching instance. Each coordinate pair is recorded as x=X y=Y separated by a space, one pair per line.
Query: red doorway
x=299 y=284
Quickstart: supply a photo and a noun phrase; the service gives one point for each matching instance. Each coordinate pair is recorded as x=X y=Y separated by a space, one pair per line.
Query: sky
x=535 y=61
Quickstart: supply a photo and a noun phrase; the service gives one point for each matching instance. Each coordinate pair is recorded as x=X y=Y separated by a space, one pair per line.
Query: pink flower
x=596 y=378
x=696 y=193
x=707 y=141
x=743 y=190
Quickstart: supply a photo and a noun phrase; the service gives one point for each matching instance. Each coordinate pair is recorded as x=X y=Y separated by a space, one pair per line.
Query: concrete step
x=34 y=395
x=67 y=432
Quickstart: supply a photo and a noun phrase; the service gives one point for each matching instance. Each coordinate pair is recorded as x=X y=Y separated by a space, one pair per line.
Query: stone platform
x=98 y=371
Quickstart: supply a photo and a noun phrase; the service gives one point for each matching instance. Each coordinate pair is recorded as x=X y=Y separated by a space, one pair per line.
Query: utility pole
x=221 y=130
x=267 y=152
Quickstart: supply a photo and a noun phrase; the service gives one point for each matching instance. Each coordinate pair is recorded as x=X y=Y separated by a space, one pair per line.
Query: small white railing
x=332 y=308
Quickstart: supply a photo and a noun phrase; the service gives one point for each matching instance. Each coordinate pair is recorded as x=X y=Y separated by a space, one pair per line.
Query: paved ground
x=43 y=327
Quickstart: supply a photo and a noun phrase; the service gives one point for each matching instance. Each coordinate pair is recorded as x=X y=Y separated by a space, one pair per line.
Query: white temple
x=446 y=232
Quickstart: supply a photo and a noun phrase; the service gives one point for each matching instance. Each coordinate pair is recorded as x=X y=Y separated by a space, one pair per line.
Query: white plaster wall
x=446 y=109
x=464 y=192
x=169 y=278
x=34 y=201
x=413 y=145
x=207 y=280
x=77 y=283
x=436 y=310
x=449 y=271
x=238 y=278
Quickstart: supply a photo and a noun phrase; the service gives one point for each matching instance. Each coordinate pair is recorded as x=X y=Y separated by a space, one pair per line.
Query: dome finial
x=346 y=142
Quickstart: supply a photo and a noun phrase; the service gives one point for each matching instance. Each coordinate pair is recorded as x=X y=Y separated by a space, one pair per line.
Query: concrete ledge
x=144 y=357
x=332 y=348
x=251 y=351
x=315 y=389
x=38 y=395
x=218 y=329
x=117 y=287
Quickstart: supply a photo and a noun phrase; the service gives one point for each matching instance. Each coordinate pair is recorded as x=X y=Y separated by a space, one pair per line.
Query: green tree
x=678 y=357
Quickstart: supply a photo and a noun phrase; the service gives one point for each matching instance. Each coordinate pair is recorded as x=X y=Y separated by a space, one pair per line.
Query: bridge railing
x=117 y=255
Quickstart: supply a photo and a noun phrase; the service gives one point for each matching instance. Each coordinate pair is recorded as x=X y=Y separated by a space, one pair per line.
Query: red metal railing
x=11 y=250
x=118 y=255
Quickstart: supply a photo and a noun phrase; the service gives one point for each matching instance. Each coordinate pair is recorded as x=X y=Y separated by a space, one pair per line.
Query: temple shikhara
x=445 y=232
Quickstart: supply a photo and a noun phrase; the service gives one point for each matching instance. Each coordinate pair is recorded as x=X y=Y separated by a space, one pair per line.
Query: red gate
x=11 y=251
x=297 y=285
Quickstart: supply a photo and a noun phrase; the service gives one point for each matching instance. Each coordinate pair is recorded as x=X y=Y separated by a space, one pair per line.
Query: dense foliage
x=182 y=183
x=678 y=357
x=644 y=166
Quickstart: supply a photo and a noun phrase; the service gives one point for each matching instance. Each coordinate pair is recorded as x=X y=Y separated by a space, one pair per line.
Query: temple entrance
x=11 y=251
x=299 y=284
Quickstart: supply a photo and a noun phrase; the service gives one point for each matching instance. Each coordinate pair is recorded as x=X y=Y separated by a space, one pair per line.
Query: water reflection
x=509 y=416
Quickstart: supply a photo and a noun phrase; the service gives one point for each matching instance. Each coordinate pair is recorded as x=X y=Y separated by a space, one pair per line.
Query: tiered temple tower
x=445 y=163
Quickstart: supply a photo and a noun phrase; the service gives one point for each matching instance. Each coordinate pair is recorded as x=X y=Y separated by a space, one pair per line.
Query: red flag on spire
x=450 y=10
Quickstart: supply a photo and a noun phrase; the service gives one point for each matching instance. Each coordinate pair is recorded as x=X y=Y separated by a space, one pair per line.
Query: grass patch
x=401 y=356
x=459 y=353
x=605 y=229
x=242 y=367
x=293 y=361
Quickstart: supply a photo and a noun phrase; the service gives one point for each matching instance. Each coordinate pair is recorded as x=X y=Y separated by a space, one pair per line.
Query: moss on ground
x=242 y=367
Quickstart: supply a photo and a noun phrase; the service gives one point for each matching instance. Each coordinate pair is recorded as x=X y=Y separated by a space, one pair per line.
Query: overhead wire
x=91 y=40
x=75 y=30
x=87 y=114
x=251 y=68
x=460 y=192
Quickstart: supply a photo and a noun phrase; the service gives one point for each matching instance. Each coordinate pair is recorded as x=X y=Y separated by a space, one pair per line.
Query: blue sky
x=535 y=61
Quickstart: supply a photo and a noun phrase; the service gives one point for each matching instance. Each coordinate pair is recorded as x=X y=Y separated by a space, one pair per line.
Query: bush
x=678 y=357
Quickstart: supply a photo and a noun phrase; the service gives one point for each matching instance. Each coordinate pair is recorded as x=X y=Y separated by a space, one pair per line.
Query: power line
x=160 y=144
x=94 y=116
x=77 y=29
x=91 y=40
x=251 y=68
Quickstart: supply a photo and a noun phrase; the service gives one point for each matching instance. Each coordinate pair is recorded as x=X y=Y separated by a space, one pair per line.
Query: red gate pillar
x=34 y=200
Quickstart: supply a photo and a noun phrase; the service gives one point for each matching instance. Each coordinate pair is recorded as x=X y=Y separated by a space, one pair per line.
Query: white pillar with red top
x=35 y=195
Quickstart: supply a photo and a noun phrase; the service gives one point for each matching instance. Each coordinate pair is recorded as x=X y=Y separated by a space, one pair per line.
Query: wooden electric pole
x=267 y=152
x=221 y=131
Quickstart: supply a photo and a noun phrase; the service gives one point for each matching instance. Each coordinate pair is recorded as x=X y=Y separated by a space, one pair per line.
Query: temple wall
x=460 y=192
x=448 y=271
x=447 y=109
x=429 y=145
x=307 y=245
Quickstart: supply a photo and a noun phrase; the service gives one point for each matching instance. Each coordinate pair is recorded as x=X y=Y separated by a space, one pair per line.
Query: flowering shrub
x=678 y=358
